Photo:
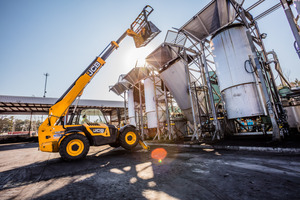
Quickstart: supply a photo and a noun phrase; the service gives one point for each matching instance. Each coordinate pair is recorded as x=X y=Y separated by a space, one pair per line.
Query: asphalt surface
x=185 y=173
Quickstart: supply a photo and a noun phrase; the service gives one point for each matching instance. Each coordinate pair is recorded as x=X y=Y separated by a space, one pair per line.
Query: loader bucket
x=149 y=32
x=144 y=30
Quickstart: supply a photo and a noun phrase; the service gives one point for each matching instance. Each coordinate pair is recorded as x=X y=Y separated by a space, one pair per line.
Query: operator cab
x=90 y=116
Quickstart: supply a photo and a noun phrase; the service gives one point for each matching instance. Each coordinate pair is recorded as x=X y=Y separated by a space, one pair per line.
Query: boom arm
x=141 y=30
x=60 y=108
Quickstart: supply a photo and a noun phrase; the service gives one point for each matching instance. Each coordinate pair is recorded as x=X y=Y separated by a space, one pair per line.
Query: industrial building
x=211 y=78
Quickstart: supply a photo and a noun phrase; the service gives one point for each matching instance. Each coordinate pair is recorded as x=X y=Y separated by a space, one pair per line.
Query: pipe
x=254 y=5
x=278 y=68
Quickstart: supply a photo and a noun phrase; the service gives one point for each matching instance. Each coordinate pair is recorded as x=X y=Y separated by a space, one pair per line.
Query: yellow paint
x=130 y=138
x=75 y=147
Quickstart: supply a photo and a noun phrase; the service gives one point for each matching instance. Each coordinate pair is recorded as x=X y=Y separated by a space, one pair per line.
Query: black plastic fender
x=126 y=126
x=76 y=130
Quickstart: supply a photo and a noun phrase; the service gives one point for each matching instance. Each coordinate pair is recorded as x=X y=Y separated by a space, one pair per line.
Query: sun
x=137 y=56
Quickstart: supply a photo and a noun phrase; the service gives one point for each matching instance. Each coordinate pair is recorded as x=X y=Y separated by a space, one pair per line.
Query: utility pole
x=45 y=84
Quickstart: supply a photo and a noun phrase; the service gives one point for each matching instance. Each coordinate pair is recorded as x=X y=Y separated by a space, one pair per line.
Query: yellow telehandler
x=72 y=135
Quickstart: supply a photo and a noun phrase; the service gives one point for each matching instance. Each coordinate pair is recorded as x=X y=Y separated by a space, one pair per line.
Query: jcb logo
x=98 y=130
x=93 y=68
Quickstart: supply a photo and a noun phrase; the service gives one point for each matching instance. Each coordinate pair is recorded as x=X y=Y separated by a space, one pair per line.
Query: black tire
x=129 y=138
x=74 y=147
x=115 y=144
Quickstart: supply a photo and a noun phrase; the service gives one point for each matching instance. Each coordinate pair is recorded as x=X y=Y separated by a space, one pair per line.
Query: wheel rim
x=75 y=147
x=130 y=138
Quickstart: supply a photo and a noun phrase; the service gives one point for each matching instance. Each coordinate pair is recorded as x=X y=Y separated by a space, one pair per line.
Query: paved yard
x=107 y=173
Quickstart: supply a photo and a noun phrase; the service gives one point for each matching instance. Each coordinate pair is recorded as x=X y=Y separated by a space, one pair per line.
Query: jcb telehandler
x=72 y=135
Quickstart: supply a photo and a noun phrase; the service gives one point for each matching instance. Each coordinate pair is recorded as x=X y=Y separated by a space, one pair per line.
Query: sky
x=62 y=37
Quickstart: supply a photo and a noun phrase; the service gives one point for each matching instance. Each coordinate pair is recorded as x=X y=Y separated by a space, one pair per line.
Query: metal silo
x=151 y=93
x=131 y=110
x=150 y=103
x=238 y=86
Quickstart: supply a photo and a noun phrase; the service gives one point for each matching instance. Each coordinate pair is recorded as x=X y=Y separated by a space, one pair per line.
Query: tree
x=19 y=125
x=6 y=124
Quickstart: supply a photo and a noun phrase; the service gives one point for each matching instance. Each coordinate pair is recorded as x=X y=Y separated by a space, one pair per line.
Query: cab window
x=91 y=116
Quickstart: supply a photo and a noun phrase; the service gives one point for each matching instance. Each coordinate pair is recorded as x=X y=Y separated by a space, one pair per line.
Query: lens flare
x=159 y=154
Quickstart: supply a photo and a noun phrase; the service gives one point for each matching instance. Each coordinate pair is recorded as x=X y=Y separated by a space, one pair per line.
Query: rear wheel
x=129 y=138
x=74 y=147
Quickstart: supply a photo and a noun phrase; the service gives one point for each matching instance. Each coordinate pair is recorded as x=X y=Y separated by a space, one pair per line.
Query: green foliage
x=6 y=124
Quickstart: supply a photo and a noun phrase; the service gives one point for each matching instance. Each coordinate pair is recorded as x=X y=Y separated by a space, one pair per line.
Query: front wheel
x=129 y=138
x=74 y=147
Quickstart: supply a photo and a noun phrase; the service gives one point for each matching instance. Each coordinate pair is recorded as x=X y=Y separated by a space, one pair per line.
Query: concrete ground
x=185 y=173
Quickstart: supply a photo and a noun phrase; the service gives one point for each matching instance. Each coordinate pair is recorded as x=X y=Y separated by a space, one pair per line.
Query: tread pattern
x=123 y=142
x=62 y=148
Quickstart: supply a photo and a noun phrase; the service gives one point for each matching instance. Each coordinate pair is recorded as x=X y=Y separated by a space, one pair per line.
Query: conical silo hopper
x=173 y=73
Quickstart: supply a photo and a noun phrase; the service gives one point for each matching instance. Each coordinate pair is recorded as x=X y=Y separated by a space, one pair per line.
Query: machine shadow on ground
x=109 y=173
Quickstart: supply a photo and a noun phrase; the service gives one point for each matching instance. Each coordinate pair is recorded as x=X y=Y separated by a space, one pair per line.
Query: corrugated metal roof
x=40 y=105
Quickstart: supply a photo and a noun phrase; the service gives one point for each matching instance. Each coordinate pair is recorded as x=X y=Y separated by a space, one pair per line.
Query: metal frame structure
x=286 y=4
x=199 y=68
x=197 y=53
x=191 y=45
x=184 y=48
x=133 y=80
x=161 y=104
x=261 y=64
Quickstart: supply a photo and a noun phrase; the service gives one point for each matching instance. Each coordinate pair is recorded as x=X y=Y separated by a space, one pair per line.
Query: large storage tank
x=131 y=110
x=231 y=49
